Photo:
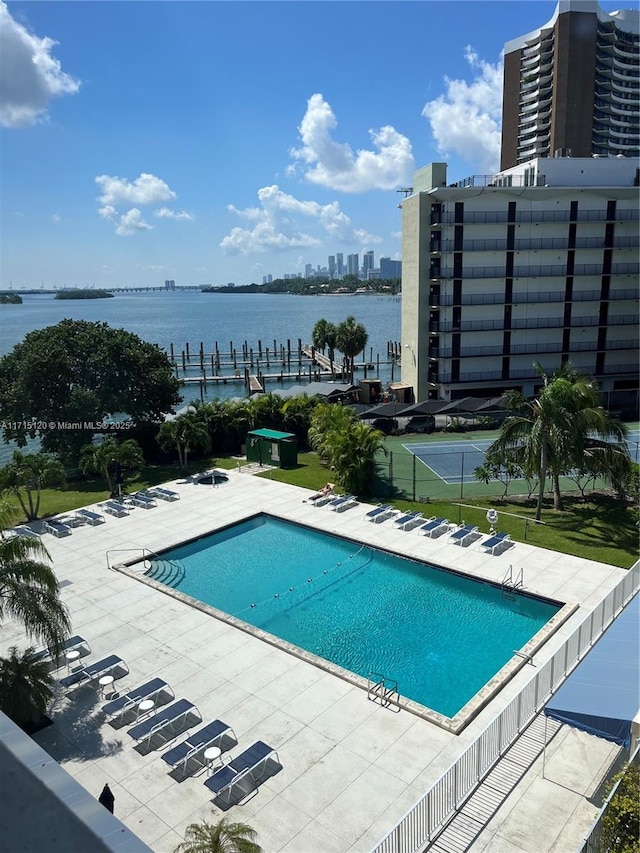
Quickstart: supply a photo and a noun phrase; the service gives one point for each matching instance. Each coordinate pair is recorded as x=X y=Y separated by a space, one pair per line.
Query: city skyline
x=198 y=165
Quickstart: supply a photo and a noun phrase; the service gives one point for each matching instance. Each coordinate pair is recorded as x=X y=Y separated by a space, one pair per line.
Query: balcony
x=525 y=245
x=447 y=327
x=482 y=217
x=538 y=271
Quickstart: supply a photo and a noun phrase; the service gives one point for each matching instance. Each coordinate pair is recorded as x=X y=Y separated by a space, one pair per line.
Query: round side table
x=104 y=682
x=71 y=657
x=212 y=757
x=144 y=707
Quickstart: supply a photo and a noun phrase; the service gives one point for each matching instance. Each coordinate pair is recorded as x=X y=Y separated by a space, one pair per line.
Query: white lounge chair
x=144 y=501
x=242 y=772
x=94 y=671
x=343 y=503
x=57 y=528
x=114 y=508
x=195 y=746
x=88 y=516
x=497 y=542
x=409 y=521
x=463 y=535
x=170 y=720
x=380 y=513
x=155 y=689
x=164 y=494
x=435 y=527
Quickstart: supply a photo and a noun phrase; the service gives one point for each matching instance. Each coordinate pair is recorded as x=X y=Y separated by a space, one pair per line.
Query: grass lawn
x=599 y=528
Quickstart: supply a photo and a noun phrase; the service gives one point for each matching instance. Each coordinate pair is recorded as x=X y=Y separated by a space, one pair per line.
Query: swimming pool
x=440 y=635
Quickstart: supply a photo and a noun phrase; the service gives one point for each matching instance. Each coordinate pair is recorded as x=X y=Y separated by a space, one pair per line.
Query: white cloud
x=130 y=222
x=145 y=189
x=333 y=164
x=466 y=120
x=108 y=212
x=29 y=76
x=167 y=213
x=277 y=228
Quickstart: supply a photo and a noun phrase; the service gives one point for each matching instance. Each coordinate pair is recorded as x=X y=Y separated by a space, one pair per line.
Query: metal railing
x=593 y=841
x=534 y=271
x=432 y=812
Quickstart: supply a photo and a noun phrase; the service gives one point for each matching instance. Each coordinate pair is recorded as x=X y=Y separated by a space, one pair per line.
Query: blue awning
x=602 y=695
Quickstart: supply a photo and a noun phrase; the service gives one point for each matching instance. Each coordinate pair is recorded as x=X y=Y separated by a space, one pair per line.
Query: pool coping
x=522 y=657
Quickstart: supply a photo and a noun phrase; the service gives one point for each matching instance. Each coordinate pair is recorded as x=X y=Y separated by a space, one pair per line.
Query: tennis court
x=454 y=462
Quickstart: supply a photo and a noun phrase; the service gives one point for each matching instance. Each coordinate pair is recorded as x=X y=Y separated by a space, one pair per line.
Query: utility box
x=270 y=447
x=371 y=391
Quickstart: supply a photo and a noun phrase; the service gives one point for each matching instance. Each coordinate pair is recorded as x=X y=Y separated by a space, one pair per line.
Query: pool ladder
x=509 y=585
x=383 y=690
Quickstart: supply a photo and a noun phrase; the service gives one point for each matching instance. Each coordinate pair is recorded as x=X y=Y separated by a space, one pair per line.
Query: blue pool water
x=440 y=635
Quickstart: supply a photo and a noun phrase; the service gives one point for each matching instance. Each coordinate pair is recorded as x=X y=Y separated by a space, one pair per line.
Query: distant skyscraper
x=572 y=86
x=332 y=266
x=340 y=264
x=308 y=270
x=367 y=263
x=169 y=284
x=269 y=278
x=390 y=269
x=353 y=264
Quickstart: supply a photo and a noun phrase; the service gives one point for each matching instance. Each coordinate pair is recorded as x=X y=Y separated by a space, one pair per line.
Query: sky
x=216 y=142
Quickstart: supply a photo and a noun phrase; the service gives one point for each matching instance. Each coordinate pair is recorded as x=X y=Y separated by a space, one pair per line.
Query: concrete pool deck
x=350 y=769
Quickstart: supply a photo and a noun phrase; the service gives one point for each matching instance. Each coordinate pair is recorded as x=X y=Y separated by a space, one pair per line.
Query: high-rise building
x=353 y=264
x=340 y=264
x=572 y=87
x=390 y=268
x=169 y=284
x=367 y=263
x=332 y=266
x=539 y=264
x=308 y=270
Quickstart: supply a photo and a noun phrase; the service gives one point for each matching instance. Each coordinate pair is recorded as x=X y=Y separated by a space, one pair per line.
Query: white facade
x=536 y=264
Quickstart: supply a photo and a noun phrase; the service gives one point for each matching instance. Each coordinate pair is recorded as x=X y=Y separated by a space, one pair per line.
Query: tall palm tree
x=351 y=339
x=352 y=453
x=186 y=433
x=102 y=458
x=27 y=474
x=325 y=334
x=328 y=420
x=220 y=837
x=560 y=428
x=29 y=590
x=26 y=687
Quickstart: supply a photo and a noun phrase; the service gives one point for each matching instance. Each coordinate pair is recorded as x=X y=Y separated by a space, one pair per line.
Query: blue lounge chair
x=380 y=513
x=164 y=494
x=23 y=530
x=88 y=516
x=154 y=689
x=434 y=527
x=114 y=508
x=144 y=501
x=94 y=671
x=57 y=528
x=195 y=746
x=497 y=542
x=345 y=502
x=409 y=521
x=171 y=719
x=71 y=644
x=323 y=500
x=242 y=771
x=460 y=536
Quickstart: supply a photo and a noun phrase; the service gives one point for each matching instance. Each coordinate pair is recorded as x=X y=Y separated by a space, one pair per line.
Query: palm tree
x=30 y=473
x=186 y=433
x=220 y=837
x=327 y=420
x=325 y=334
x=351 y=339
x=561 y=428
x=352 y=454
x=26 y=687
x=29 y=590
x=102 y=458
